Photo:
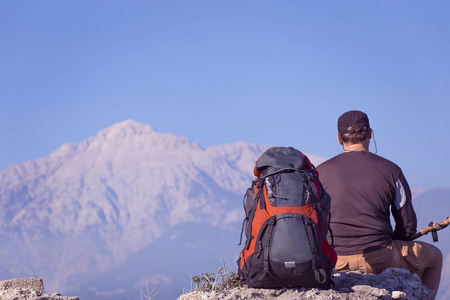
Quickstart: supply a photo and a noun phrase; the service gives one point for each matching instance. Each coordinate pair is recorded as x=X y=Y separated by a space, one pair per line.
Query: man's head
x=353 y=127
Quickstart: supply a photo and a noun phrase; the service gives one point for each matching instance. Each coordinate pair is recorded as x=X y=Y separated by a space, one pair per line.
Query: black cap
x=351 y=118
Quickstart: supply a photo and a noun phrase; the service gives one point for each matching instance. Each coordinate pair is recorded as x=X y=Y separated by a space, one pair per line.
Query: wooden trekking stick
x=433 y=227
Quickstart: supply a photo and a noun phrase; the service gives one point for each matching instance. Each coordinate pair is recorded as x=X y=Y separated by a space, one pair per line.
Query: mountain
x=128 y=208
x=87 y=207
x=433 y=206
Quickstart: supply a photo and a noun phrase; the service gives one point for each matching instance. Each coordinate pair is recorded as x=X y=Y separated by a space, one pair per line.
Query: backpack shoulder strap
x=251 y=213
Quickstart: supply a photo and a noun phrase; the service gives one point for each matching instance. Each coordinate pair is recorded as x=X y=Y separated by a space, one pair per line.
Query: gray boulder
x=27 y=289
x=392 y=283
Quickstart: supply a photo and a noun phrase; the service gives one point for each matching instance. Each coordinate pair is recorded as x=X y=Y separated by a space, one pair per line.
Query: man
x=363 y=188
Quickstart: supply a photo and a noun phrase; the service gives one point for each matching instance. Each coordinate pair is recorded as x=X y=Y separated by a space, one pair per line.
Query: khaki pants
x=413 y=256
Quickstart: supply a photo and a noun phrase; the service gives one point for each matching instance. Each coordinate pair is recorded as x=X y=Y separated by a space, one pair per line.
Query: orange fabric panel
x=258 y=220
x=306 y=210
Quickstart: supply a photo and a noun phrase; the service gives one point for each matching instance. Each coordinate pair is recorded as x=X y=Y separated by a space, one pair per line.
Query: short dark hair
x=355 y=134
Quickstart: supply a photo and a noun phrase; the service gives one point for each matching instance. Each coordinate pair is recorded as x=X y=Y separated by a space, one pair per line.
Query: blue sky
x=277 y=73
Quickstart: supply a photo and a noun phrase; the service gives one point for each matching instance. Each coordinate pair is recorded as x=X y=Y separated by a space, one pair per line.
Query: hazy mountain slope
x=87 y=207
x=434 y=206
x=185 y=250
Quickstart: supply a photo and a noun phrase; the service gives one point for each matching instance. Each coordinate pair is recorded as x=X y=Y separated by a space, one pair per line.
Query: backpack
x=286 y=224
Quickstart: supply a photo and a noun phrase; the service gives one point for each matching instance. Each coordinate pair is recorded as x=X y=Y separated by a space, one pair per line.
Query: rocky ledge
x=27 y=289
x=392 y=283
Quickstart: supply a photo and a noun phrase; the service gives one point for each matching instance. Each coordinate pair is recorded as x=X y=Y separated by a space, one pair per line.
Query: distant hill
x=132 y=206
x=86 y=208
x=434 y=206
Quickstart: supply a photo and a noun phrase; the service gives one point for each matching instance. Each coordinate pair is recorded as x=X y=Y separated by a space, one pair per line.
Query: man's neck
x=356 y=147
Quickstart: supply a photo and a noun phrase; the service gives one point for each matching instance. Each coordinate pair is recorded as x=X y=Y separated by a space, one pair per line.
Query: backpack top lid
x=278 y=158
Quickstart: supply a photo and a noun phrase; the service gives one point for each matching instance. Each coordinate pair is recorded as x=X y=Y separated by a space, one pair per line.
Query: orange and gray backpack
x=286 y=224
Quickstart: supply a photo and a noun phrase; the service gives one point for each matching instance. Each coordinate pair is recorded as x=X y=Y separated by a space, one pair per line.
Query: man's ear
x=370 y=133
x=339 y=139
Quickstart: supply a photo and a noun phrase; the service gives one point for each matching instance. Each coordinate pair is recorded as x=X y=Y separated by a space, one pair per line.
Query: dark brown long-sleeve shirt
x=364 y=187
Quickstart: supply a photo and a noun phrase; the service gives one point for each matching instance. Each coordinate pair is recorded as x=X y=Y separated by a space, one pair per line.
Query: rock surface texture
x=392 y=283
x=27 y=289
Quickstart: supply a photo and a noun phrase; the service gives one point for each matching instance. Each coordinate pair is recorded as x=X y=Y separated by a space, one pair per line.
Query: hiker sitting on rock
x=363 y=188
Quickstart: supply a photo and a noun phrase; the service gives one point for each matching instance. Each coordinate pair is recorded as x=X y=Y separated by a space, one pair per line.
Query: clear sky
x=277 y=73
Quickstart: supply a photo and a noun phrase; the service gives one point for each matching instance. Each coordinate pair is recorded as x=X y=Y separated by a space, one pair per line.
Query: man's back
x=362 y=187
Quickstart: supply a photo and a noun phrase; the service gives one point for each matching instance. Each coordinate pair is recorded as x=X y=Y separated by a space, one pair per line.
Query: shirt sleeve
x=403 y=211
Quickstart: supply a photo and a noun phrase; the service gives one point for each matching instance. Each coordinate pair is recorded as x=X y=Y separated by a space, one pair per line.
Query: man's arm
x=403 y=211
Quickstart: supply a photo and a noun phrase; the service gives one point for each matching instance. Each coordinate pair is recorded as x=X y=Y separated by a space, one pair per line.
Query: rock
x=36 y=284
x=399 y=295
x=392 y=283
x=27 y=289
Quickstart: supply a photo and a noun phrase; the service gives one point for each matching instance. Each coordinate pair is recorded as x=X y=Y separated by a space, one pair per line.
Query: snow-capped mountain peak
x=119 y=191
